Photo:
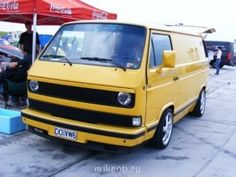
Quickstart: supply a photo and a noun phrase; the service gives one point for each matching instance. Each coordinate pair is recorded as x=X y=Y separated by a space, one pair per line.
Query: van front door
x=161 y=89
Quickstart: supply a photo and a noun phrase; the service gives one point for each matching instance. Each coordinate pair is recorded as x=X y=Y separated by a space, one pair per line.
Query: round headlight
x=33 y=85
x=124 y=98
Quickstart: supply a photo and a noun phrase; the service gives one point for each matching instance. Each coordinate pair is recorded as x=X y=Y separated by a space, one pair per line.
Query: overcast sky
x=218 y=14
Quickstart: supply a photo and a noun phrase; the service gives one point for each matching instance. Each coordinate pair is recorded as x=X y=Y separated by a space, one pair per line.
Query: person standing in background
x=218 y=60
x=26 y=40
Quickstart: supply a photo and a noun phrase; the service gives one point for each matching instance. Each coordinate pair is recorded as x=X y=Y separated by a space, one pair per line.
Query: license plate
x=65 y=133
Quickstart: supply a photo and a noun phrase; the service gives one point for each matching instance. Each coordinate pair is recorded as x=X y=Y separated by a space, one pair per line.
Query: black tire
x=200 y=107
x=164 y=129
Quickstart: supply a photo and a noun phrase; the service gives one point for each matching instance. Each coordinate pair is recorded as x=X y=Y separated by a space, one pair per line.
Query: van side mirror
x=169 y=59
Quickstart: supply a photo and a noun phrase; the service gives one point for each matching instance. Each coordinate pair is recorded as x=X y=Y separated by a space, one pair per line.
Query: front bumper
x=87 y=132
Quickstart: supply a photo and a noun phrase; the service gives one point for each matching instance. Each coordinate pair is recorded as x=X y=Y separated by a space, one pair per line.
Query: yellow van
x=116 y=84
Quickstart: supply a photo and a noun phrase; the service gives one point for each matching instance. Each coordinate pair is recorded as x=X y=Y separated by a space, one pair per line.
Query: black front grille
x=81 y=114
x=87 y=95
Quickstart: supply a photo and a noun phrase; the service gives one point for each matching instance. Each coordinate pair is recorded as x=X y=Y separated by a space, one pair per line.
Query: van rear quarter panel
x=188 y=48
x=191 y=67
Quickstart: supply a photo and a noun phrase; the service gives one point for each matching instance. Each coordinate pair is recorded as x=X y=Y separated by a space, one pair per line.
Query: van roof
x=190 y=30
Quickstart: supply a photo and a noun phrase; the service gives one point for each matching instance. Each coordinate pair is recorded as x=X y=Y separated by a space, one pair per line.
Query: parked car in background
x=8 y=51
x=228 y=52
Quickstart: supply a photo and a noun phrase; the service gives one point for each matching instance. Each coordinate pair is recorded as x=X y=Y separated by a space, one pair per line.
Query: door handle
x=176 y=78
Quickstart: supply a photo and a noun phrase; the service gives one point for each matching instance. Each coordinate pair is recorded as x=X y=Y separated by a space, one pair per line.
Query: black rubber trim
x=86 y=95
x=151 y=128
x=89 y=116
x=83 y=129
x=185 y=107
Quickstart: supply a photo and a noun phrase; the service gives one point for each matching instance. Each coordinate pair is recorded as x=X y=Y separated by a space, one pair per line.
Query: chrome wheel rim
x=167 y=128
x=203 y=102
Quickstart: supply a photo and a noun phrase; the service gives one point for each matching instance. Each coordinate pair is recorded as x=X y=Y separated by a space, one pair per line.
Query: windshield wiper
x=103 y=60
x=96 y=59
x=61 y=57
x=120 y=66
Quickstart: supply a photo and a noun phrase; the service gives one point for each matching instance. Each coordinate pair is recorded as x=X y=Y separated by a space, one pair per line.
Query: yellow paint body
x=155 y=90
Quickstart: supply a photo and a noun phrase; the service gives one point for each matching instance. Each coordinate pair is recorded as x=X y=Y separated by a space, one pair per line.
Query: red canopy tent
x=49 y=12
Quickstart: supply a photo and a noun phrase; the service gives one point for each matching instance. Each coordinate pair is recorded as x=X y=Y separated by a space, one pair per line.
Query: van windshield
x=113 y=45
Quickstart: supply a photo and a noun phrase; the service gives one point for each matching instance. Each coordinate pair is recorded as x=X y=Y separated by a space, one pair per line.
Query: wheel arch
x=203 y=87
x=164 y=107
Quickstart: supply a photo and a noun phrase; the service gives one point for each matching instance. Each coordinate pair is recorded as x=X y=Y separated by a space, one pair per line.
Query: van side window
x=159 y=43
x=152 y=63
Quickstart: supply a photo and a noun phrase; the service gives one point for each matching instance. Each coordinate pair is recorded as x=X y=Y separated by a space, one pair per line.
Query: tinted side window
x=159 y=43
